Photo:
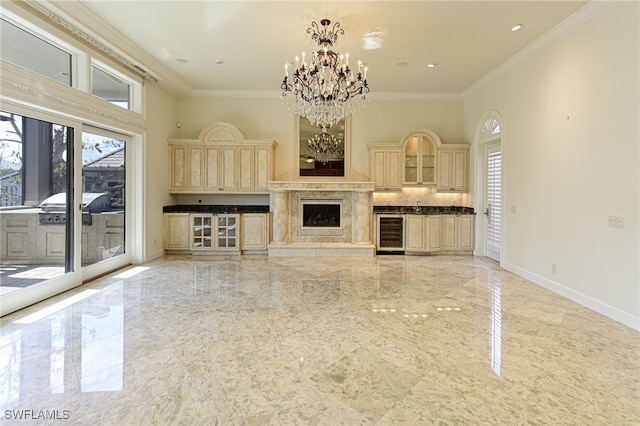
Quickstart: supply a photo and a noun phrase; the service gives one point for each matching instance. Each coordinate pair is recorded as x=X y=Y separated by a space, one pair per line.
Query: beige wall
x=571 y=159
x=161 y=111
x=382 y=121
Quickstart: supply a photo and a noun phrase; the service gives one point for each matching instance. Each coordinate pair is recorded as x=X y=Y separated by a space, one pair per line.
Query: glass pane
x=109 y=87
x=103 y=197
x=428 y=160
x=411 y=160
x=36 y=214
x=28 y=51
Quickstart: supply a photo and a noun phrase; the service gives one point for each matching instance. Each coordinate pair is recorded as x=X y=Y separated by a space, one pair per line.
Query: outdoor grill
x=54 y=208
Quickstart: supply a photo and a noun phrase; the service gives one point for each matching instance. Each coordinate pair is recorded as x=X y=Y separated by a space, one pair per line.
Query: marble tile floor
x=252 y=340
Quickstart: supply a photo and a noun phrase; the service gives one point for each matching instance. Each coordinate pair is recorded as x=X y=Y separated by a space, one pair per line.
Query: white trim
x=582 y=299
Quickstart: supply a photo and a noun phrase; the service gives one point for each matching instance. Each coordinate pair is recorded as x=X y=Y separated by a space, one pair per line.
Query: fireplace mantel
x=353 y=238
x=321 y=186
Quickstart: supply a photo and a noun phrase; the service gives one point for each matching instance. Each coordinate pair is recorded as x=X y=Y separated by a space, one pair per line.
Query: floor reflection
x=253 y=340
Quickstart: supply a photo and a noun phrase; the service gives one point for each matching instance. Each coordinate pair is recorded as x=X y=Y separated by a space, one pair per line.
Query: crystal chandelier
x=324 y=147
x=324 y=88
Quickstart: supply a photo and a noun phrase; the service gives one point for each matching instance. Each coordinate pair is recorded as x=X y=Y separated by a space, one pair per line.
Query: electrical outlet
x=513 y=209
x=616 y=222
x=554 y=268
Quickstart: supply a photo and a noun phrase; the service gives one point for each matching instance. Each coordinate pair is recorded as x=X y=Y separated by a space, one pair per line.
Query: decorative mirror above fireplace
x=331 y=165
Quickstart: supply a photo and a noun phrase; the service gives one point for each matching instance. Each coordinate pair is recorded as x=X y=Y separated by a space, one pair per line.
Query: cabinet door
x=377 y=169
x=444 y=170
x=415 y=233
x=229 y=168
x=411 y=156
x=427 y=161
x=202 y=231
x=393 y=170
x=434 y=233
x=465 y=232
x=176 y=231
x=254 y=233
x=264 y=168
x=227 y=232
x=453 y=170
x=179 y=168
x=386 y=169
x=196 y=174
x=460 y=170
x=212 y=169
x=449 y=236
x=420 y=160
x=245 y=168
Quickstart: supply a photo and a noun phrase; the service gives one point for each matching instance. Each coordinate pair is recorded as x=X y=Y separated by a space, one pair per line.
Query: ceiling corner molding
x=75 y=19
x=82 y=36
x=582 y=15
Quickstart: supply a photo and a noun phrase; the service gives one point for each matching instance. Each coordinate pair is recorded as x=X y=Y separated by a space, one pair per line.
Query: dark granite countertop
x=213 y=208
x=425 y=210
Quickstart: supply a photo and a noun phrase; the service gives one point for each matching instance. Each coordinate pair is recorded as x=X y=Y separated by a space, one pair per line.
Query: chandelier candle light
x=325 y=89
x=324 y=147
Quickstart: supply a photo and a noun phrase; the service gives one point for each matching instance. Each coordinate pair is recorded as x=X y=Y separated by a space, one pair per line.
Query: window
x=107 y=86
x=28 y=51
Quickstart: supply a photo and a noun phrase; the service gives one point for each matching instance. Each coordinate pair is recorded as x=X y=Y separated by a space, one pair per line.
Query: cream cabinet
x=385 y=167
x=419 y=160
x=246 y=167
x=457 y=232
x=186 y=168
x=176 y=231
x=423 y=233
x=219 y=232
x=227 y=232
x=255 y=231
x=453 y=168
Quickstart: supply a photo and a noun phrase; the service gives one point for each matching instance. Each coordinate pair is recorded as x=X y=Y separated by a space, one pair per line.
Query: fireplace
x=321 y=218
x=320 y=215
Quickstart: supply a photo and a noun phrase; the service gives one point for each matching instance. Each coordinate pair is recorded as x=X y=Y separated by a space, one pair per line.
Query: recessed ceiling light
x=219 y=61
x=402 y=64
x=431 y=65
x=181 y=60
x=516 y=27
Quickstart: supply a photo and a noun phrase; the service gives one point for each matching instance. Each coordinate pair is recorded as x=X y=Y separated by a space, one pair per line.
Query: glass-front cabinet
x=202 y=232
x=420 y=160
x=227 y=232
x=215 y=232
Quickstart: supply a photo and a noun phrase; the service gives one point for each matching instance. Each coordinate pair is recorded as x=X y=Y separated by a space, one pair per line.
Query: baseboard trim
x=587 y=301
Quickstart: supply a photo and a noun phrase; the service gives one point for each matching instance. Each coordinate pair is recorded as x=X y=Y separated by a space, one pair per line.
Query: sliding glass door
x=103 y=197
x=63 y=192
x=36 y=218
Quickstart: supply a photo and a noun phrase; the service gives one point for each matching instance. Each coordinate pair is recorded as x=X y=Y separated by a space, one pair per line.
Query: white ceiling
x=466 y=39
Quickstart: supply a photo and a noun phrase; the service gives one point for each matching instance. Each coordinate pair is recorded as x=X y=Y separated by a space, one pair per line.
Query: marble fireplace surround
x=290 y=238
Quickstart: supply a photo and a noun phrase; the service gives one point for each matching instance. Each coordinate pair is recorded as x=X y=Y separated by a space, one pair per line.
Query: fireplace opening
x=321 y=215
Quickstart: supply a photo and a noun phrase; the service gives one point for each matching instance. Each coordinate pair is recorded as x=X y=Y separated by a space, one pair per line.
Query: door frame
x=14 y=301
x=483 y=141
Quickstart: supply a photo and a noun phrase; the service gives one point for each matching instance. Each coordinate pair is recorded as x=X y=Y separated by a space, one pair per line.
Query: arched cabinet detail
x=221 y=159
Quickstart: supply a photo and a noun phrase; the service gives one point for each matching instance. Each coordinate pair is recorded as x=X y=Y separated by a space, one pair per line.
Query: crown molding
x=585 y=13
x=378 y=96
x=78 y=21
